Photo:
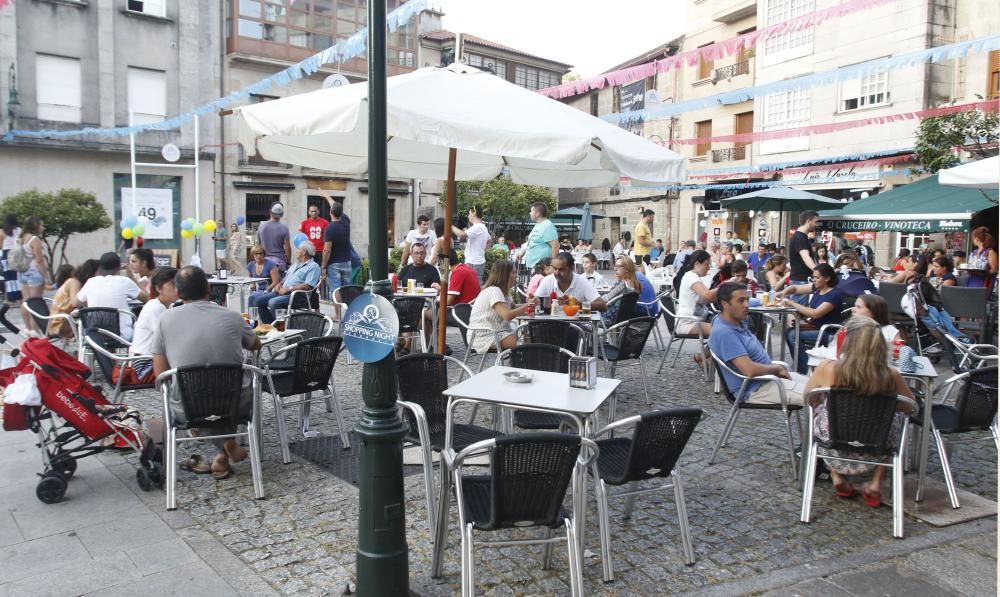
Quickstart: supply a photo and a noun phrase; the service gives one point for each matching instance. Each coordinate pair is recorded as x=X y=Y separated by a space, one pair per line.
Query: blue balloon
x=130 y=222
x=240 y=220
x=299 y=239
x=187 y=224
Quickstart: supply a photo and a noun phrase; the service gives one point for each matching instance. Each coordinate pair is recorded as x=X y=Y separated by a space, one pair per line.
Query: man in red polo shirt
x=314 y=227
x=465 y=282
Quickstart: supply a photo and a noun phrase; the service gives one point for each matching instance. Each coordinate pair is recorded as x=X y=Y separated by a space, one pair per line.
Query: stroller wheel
x=144 y=479
x=156 y=474
x=51 y=489
x=65 y=465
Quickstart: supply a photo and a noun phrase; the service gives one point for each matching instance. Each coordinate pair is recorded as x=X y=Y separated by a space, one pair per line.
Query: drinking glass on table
x=420 y=287
x=585 y=308
x=252 y=314
x=279 y=319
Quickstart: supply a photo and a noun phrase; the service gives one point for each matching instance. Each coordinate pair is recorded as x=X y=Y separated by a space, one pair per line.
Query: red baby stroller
x=74 y=420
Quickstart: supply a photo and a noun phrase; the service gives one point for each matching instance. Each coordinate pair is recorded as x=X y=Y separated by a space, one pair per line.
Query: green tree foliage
x=501 y=200
x=64 y=213
x=938 y=136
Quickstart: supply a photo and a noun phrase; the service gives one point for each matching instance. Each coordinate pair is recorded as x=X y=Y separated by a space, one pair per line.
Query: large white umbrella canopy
x=982 y=174
x=493 y=124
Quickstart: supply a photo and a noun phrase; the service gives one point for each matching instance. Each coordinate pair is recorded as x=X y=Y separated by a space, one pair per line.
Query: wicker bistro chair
x=537 y=357
x=646 y=306
x=629 y=341
x=462 y=314
x=304 y=300
x=626 y=311
x=968 y=304
x=425 y=407
x=313 y=325
x=200 y=396
x=738 y=400
x=526 y=486
x=41 y=314
x=411 y=318
x=670 y=317
x=554 y=332
x=861 y=425
x=105 y=318
x=219 y=294
x=966 y=357
x=312 y=371
x=104 y=344
x=657 y=441
x=975 y=409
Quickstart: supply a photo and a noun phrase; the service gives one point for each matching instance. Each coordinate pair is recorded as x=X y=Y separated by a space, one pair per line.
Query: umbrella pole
x=449 y=209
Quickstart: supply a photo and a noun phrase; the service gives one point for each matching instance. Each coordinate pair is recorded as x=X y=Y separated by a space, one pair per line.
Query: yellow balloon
x=186 y=234
x=127 y=233
x=209 y=225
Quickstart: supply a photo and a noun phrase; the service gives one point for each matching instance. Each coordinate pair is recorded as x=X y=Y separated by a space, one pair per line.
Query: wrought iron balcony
x=733 y=70
x=730 y=154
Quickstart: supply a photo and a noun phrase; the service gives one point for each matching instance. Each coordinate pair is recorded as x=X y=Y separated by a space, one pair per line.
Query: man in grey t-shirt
x=274 y=237
x=200 y=332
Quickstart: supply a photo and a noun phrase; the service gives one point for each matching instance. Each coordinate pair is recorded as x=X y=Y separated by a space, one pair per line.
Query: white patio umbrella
x=981 y=174
x=480 y=123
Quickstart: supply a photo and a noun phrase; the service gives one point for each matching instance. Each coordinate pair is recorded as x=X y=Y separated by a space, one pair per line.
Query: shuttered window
x=147 y=95
x=993 y=91
x=57 y=88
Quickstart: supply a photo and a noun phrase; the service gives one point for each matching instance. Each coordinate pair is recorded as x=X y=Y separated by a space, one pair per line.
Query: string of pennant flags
x=352 y=47
x=844 y=73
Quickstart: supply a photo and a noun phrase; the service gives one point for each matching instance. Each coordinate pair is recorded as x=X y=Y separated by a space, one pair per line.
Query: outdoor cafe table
x=925 y=374
x=548 y=392
x=593 y=321
x=783 y=311
x=242 y=282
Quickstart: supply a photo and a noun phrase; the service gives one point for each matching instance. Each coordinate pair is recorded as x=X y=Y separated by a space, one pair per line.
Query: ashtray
x=518 y=377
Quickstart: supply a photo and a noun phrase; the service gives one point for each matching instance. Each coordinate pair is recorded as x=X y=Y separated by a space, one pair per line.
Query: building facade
x=71 y=64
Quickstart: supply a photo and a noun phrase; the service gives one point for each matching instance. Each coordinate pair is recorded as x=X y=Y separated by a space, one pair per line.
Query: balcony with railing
x=730 y=154
x=733 y=70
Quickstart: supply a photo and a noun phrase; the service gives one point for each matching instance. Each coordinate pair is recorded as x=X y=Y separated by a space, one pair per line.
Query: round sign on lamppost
x=370 y=328
x=170 y=152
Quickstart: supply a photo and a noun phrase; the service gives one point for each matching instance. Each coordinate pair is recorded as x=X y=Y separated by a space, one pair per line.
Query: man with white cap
x=274 y=237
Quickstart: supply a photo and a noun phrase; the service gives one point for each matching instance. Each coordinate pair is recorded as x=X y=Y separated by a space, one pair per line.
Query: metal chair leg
x=897 y=489
x=724 y=436
x=682 y=517
x=663 y=357
x=677 y=354
x=305 y=413
x=601 y=494
x=468 y=556
x=255 y=466
x=547 y=551
x=575 y=560
x=171 y=466
x=810 y=482
x=791 y=444
x=345 y=436
x=642 y=370
x=946 y=466
x=279 y=413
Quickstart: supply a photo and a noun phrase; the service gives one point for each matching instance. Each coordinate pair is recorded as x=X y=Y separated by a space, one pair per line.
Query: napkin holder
x=583 y=372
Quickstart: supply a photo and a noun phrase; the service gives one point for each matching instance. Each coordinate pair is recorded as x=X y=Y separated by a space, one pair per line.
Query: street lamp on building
x=13 y=105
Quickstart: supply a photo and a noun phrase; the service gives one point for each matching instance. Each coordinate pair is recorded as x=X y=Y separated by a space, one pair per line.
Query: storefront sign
x=370 y=328
x=632 y=97
x=867 y=235
x=907 y=226
x=154 y=208
x=832 y=174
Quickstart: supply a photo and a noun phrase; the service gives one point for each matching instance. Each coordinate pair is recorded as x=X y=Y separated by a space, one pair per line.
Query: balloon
x=240 y=220
x=187 y=224
x=299 y=239
x=139 y=230
x=209 y=225
x=197 y=229
x=185 y=233
x=127 y=233
x=130 y=222
x=139 y=241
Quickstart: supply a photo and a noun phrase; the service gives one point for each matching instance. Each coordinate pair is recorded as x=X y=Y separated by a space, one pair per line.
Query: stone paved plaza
x=743 y=510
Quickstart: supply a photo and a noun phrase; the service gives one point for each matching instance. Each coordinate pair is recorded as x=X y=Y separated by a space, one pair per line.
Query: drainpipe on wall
x=221 y=155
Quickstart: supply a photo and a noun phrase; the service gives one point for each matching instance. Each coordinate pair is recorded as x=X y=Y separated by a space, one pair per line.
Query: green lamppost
x=382 y=555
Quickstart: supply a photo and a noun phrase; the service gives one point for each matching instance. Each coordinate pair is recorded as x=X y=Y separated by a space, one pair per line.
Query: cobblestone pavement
x=743 y=510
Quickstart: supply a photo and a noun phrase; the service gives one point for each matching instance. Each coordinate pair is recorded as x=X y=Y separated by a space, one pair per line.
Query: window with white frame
x=57 y=88
x=157 y=8
x=533 y=78
x=147 y=95
x=871 y=89
x=786 y=109
x=487 y=62
x=791 y=44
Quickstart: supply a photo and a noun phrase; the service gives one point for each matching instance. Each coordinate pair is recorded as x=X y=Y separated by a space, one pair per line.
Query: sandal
x=196 y=464
x=218 y=473
x=845 y=490
x=236 y=452
x=872 y=499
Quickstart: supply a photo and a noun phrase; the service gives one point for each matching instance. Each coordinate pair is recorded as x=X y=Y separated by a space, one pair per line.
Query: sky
x=592 y=35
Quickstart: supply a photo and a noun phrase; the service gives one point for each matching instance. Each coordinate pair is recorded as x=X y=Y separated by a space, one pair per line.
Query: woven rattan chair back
x=539 y=357
x=626 y=307
x=556 y=333
x=463 y=313
x=858 y=423
x=350 y=292
x=211 y=394
x=217 y=293
x=668 y=308
x=632 y=339
x=964 y=302
x=313 y=324
x=411 y=313
x=105 y=318
x=977 y=400
x=105 y=364
x=426 y=376
x=314 y=361
x=529 y=475
x=658 y=441
x=39 y=309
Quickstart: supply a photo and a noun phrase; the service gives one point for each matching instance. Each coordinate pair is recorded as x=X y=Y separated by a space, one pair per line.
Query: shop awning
x=922 y=206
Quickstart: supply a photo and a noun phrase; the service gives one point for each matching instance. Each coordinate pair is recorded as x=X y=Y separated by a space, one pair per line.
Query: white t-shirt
x=687 y=298
x=413 y=237
x=145 y=327
x=10 y=242
x=475 y=247
x=618 y=250
x=580 y=288
x=113 y=292
x=485 y=316
x=889 y=332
